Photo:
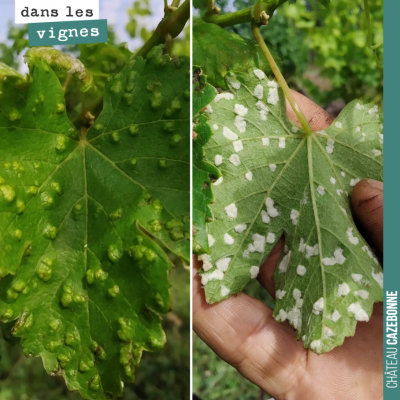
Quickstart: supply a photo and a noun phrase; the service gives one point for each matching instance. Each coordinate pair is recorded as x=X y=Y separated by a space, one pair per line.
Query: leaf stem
x=366 y=10
x=66 y=82
x=237 y=17
x=81 y=117
x=210 y=7
x=168 y=44
x=257 y=10
x=243 y=16
x=172 y=25
x=281 y=80
x=373 y=47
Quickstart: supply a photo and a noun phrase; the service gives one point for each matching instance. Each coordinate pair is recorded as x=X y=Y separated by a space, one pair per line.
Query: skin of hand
x=242 y=331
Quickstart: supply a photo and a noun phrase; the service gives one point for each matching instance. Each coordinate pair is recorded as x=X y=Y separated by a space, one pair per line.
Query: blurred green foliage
x=341 y=65
x=324 y=51
x=19 y=40
x=213 y=379
x=140 y=8
x=181 y=44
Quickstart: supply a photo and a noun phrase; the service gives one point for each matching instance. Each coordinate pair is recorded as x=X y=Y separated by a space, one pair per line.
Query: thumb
x=316 y=116
x=367 y=202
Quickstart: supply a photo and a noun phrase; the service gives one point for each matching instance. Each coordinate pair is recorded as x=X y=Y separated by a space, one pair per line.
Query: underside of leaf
x=81 y=273
x=278 y=181
x=203 y=94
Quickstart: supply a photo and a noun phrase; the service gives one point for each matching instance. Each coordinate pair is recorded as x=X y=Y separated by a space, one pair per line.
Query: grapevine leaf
x=216 y=58
x=277 y=180
x=202 y=193
x=203 y=94
x=80 y=276
x=6 y=72
x=159 y=167
x=102 y=59
x=61 y=61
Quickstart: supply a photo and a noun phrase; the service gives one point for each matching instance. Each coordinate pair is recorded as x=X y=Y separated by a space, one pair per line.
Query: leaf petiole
x=66 y=82
x=242 y=16
x=211 y=7
x=172 y=25
x=281 y=80
x=168 y=43
x=373 y=47
x=257 y=11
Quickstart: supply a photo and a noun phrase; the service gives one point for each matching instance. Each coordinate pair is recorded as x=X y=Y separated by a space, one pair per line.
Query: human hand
x=242 y=331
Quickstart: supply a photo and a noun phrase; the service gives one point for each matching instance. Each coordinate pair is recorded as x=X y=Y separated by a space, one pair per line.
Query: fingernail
x=375 y=184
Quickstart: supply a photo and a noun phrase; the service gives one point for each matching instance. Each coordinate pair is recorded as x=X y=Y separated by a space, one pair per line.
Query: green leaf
x=216 y=59
x=203 y=94
x=325 y=3
x=81 y=275
x=278 y=181
x=102 y=58
x=58 y=60
x=6 y=72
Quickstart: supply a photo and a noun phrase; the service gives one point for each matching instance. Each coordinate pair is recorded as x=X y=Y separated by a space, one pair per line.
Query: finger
x=266 y=274
x=360 y=357
x=367 y=202
x=316 y=116
x=242 y=331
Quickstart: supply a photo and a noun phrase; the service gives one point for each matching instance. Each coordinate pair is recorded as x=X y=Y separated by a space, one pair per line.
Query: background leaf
x=323 y=51
x=326 y=3
x=218 y=51
x=203 y=92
